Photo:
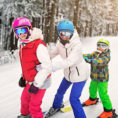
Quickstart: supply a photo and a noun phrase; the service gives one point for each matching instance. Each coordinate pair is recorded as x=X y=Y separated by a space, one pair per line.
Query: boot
x=106 y=114
x=23 y=116
x=52 y=111
x=90 y=101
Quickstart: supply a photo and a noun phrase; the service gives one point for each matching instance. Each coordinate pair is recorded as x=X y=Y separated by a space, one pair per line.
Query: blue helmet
x=65 y=25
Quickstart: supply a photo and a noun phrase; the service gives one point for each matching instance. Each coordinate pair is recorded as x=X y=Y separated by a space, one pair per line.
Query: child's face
x=23 y=36
x=65 y=38
x=102 y=47
x=21 y=32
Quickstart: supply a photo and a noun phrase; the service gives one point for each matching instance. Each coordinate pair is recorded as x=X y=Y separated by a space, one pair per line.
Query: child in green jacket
x=99 y=77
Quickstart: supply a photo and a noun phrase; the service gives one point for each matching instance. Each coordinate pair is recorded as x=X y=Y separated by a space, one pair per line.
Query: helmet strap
x=28 y=34
x=71 y=36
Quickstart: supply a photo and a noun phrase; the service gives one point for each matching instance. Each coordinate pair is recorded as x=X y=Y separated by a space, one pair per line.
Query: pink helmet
x=21 y=21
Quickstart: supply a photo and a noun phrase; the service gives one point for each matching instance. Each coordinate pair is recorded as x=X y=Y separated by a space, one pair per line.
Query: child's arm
x=46 y=66
x=102 y=61
x=75 y=56
x=54 y=52
x=88 y=57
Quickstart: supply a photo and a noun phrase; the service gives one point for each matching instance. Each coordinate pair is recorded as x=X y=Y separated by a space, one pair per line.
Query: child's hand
x=87 y=60
x=33 y=89
x=22 y=82
x=38 y=67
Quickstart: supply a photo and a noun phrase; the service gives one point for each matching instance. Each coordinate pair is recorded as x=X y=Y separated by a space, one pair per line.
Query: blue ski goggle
x=102 y=45
x=22 y=30
x=65 y=33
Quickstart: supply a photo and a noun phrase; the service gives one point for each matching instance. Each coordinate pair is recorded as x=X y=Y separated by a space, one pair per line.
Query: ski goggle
x=22 y=30
x=65 y=33
x=102 y=45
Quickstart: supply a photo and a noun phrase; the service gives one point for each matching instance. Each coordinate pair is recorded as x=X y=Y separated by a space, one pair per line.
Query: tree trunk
x=43 y=18
x=107 y=29
x=51 y=28
x=57 y=15
x=90 y=28
x=47 y=19
x=76 y=12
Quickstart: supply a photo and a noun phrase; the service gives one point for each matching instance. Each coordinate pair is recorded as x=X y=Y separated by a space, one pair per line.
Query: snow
x=10 y=91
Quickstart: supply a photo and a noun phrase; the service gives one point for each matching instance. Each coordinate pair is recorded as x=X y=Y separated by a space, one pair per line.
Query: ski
x=48 y=114
x=53 y=111
x=114 y=114
x=66 y=109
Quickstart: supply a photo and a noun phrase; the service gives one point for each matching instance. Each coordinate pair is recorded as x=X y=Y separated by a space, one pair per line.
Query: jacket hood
x=75 y=36
x=36 y=33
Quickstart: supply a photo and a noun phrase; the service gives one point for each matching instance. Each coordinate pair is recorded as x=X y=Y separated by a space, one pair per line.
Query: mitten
x=22 y=82
x=33 y=89
x=87 y=59
x=38 y=67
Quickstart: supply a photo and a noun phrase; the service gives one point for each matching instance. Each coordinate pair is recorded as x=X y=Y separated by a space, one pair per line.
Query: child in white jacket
x=75 y=68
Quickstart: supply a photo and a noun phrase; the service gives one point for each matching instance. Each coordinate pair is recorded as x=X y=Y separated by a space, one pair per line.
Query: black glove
x=22 y=82
x=33 y=89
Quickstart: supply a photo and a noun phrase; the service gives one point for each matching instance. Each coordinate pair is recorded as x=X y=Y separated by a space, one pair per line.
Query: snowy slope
x=10 y=91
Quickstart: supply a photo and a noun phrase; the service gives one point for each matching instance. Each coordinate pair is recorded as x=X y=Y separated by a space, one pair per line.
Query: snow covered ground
x=10 y=91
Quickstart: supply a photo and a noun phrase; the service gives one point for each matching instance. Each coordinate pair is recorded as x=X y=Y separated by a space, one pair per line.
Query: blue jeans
x=74 y=97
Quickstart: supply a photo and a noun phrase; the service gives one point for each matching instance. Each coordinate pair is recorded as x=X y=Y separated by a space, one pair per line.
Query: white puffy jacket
x=75 y=68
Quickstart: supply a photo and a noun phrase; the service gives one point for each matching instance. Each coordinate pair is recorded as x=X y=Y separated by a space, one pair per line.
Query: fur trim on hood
x=36 y=33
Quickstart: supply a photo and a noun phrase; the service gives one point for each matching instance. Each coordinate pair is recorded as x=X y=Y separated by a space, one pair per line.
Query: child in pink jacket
x=32 y=52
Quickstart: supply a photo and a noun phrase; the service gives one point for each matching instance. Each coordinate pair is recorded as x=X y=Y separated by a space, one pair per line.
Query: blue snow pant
x=74 y=97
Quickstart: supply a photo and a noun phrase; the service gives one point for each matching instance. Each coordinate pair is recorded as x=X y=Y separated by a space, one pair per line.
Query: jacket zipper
x=77 y=71
x=21 y=55
x=69 y=67
x=21 y=58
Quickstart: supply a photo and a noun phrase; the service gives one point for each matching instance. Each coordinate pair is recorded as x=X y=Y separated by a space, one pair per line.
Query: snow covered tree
x=90 y=17
x=18 y=8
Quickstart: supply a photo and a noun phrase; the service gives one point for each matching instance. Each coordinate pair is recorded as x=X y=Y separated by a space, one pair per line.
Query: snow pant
x=102 y=88
x=30 y=103
x=74 y=97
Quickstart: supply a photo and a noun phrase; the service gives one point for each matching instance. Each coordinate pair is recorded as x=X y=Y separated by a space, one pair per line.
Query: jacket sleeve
x=102 y=61
x=53 y=53
x=43 y=57
x=88 y=57
x=75 y=56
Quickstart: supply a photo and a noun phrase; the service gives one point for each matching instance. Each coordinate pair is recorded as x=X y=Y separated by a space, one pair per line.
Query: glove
x=38 y=67
x=33 y=89
x=87 y=60
x=22 y=82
